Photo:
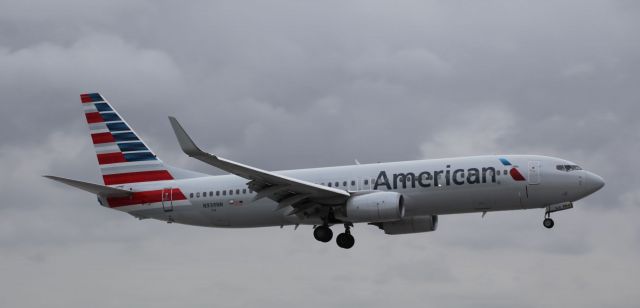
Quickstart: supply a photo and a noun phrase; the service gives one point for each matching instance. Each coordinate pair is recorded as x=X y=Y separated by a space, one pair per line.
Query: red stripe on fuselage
x=143 y=197
x=93 y=117
x=137 y=177
x=111 y=158
x=516 y=175
x=102 y=138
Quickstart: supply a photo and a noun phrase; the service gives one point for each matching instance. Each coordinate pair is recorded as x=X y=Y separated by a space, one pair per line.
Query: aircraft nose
x=593 y=182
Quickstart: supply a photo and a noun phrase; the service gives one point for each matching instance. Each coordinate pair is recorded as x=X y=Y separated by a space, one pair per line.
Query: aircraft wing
x=285 y=190
x=101 y=190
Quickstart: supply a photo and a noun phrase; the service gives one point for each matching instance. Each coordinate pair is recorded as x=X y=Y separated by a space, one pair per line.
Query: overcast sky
x=292 y=84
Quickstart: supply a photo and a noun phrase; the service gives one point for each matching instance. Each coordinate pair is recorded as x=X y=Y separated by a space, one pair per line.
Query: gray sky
x=291 y=84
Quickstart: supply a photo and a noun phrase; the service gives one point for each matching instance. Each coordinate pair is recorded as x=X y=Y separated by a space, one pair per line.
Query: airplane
x=397 y=197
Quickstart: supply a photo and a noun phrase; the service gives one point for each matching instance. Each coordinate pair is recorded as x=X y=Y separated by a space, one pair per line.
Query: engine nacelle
x=415 y=224
x=375 y=207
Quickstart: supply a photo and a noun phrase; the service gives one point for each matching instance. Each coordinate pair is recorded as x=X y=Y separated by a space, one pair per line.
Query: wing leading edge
x=287 y=191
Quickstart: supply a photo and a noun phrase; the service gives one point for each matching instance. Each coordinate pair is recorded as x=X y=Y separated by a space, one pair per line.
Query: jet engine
x=375 y=207
x=414 y=224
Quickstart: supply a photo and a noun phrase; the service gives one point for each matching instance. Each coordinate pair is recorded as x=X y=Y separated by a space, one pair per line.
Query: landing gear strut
x=345 y=240
x=323 y=233
x=548 y=222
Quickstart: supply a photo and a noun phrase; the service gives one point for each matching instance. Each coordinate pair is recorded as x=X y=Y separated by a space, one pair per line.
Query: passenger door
x=535 y=167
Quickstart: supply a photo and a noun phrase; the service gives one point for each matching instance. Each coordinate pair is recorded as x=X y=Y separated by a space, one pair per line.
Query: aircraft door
x=365 y=184
x=353 y=185
x=535 y=168
x=167 y=199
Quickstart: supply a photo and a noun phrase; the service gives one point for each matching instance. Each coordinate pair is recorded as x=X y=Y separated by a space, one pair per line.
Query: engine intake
x=375 y=207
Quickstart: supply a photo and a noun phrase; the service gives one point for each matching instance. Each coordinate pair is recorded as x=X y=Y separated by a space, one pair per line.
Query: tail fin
x=123 y=157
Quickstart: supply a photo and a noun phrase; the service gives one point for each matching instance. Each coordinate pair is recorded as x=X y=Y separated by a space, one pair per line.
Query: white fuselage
x=429 y=187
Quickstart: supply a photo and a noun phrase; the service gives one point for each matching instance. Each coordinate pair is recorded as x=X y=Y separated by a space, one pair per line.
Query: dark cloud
x=290 y=84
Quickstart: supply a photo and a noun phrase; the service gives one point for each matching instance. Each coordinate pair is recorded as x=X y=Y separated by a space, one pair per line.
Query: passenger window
x=204 y=194
x=237 y=191
x=329 y=184
x=224 y=192
x=366 y=182
x=244 y=190
x=217 y=193
x=230 y=192
x=337 y=184
x=198 y=195
x=353 y=183
x=344 y=183
x=211 y=193
x=191 y=195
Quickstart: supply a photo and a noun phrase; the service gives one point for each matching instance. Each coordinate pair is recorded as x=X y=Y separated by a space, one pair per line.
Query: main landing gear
x=323 y=233
x=344 y=240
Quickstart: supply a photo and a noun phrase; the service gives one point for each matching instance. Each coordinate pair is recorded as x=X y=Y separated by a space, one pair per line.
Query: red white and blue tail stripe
x=122 y=156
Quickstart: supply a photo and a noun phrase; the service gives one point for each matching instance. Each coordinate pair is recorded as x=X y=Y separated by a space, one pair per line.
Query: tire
x=345 y=240
x=323 y=234
x=548 y=223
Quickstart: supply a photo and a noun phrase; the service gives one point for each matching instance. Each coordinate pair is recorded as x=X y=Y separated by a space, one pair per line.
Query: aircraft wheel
x=323 y=233
x=548 y=223
x=345 y=240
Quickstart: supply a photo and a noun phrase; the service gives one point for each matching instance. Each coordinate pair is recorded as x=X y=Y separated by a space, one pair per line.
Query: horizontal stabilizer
x=101 y=190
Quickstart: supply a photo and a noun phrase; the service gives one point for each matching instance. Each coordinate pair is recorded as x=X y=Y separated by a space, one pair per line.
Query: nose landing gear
x=548 y=222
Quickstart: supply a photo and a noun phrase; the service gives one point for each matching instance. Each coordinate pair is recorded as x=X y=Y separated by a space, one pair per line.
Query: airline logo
x=446 y=177
x=515 y=174
x=122 y=156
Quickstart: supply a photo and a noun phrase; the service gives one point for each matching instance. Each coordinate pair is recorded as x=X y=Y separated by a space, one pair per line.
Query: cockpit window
x=568 y=168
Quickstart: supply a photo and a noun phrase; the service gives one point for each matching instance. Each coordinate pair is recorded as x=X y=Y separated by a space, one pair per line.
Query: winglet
x=105 y=191
x=187 y=145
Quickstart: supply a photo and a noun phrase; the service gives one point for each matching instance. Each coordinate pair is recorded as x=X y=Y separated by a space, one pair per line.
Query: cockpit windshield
x=568 y=168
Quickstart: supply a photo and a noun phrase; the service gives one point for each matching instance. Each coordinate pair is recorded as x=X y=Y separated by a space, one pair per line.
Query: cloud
x=407 y=66
x=290 y=84
x=480 y=130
